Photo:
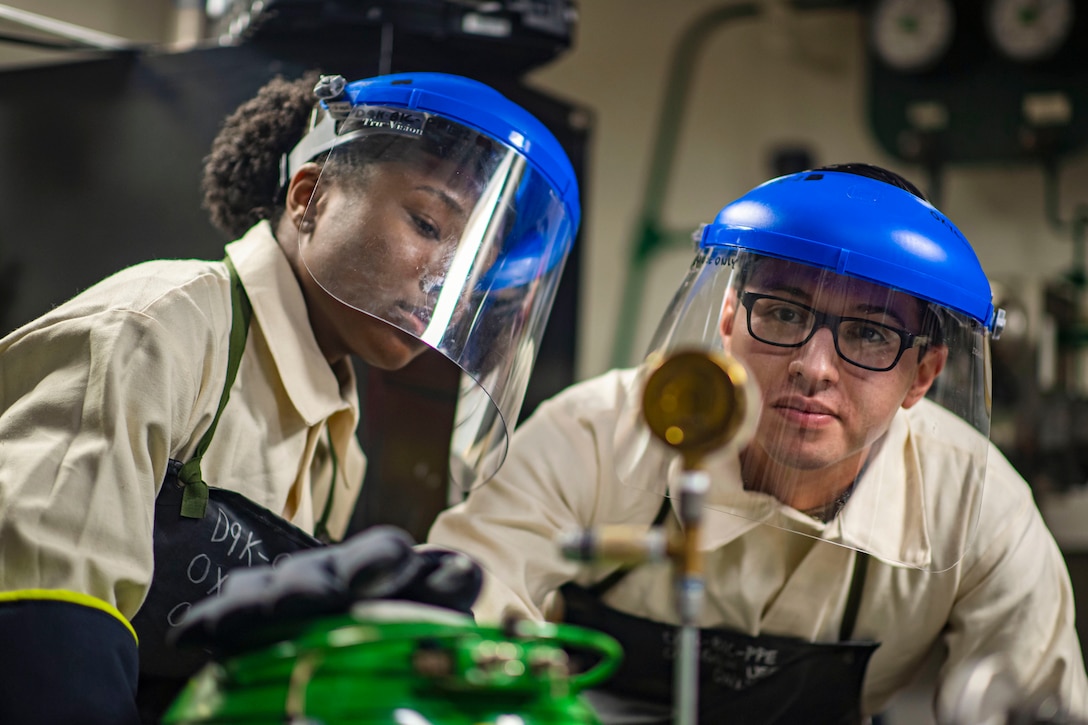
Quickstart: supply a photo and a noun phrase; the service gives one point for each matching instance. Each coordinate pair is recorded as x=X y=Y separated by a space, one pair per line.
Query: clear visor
x=457 y=242
x=870 y=426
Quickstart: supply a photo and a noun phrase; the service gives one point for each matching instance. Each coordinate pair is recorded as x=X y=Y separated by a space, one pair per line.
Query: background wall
x=786 y=77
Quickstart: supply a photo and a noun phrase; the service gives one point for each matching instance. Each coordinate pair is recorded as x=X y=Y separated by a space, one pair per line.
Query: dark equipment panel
x=974 y=103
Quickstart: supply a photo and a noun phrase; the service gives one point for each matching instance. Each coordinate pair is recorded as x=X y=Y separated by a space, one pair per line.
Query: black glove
x=261 y=605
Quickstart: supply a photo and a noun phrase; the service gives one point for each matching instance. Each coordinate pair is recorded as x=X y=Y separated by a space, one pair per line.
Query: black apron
x=743 y=680
x=201 y=533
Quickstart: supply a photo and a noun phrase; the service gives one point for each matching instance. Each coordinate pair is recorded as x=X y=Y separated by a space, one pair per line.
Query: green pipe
x=650 y=236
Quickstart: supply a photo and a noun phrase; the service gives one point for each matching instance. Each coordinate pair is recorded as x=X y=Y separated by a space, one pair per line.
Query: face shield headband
x=451 y=236
x=872 y=416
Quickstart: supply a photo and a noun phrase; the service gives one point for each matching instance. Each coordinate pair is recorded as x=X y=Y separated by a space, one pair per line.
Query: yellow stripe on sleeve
x=64 y=595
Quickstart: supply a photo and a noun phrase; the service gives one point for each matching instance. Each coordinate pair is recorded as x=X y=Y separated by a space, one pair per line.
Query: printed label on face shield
x=339 y=109
x=716 y=261
x=396 y=120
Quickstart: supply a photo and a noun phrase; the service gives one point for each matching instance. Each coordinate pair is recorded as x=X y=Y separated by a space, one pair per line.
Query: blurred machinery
x=931 y=90
x=523 y=33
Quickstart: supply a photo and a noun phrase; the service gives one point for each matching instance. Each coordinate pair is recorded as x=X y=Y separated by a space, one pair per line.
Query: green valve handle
x=355 y=670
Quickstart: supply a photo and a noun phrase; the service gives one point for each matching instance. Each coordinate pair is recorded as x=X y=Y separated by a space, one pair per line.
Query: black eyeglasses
x=867 y=344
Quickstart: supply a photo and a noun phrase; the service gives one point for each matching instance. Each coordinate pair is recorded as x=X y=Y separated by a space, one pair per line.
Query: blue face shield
x=459 y=210
x=864 y=321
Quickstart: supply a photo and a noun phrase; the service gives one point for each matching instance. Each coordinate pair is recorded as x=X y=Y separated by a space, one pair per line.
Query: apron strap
x=321 y=528
x=853 y=600
x=194 y=499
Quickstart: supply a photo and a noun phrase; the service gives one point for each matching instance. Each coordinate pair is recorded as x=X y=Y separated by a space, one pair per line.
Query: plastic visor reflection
x=496 y=197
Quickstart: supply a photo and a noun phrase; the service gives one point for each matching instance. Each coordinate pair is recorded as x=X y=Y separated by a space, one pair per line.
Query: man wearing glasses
x=822 y=416
x=861 y=530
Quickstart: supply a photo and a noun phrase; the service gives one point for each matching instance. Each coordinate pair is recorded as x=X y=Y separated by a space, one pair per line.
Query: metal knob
x=696 y=402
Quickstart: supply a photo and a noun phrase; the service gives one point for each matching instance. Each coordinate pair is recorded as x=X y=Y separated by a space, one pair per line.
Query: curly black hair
x=241 y=181
x=242 y=171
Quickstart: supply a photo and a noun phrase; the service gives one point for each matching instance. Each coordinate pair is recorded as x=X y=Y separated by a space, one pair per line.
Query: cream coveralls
x=97 y=395
x=1010 y=594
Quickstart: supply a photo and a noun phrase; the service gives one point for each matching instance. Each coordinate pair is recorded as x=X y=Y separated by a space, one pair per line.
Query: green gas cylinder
x=401 y=663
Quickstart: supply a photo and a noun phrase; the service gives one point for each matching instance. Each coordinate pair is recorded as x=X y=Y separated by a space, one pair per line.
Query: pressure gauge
x=912 y=35
x=1029 y=30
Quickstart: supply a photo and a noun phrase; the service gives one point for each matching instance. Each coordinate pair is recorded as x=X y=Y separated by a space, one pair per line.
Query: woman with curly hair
x=184 y=417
